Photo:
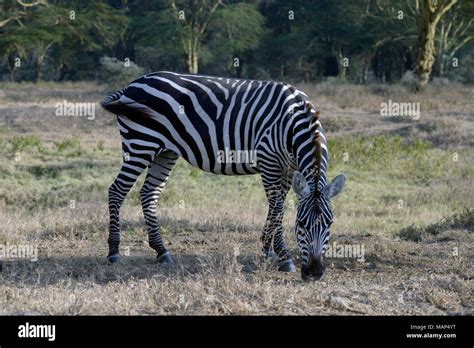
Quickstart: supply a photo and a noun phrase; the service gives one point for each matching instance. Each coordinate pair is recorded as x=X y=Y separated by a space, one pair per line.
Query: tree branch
x=38 y=2
x=441 y=10
x=461 y=44
x=6 y=21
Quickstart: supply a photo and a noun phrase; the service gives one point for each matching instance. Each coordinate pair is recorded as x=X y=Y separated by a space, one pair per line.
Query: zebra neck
x=324 y=160
x=306 y=163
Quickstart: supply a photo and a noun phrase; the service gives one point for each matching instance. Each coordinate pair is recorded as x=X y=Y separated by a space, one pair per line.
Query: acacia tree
x=16 y=11
x=31 y=31
x=433 y=11
x=195 y=23
x=234 y=30
x=13 y=17
x=456 y=30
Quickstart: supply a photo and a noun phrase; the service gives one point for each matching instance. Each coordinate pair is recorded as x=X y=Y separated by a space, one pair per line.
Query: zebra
x=165 y=115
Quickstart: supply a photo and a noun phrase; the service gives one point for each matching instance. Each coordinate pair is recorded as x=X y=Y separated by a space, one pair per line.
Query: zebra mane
x=315 y=123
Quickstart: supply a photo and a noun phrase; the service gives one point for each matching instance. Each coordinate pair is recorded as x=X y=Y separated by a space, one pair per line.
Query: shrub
x=463 y=220
x=22 y=142
x=116 y=73
x=411 y=233
x=65 y=144
x=410 y=81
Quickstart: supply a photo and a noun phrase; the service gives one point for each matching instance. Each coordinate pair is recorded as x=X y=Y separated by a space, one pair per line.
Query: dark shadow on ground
x=94 y=269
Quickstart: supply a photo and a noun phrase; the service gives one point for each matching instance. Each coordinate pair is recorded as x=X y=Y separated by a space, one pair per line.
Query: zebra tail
x=113 y=104
x=111 y=98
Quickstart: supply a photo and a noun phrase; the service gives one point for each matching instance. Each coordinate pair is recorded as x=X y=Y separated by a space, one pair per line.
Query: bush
x=464 y=73
x=117 y=73
x=410 y=81
x=463 y=220
x=411 y=233
x=65 y=144
x=71 y=147
x=22 y=142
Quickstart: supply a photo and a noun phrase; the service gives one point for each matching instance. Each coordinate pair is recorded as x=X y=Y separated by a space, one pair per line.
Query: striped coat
x=224 y=126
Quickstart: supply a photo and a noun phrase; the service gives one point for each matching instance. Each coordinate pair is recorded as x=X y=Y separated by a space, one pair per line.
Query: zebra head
x=313 y=219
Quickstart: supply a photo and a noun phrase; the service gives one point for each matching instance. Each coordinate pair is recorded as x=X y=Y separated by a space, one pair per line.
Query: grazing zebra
x=164 y=115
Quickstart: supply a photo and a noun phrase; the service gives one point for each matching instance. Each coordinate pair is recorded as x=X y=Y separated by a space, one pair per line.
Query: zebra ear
x=335 y=187
x=299 y=184
x=311 y=108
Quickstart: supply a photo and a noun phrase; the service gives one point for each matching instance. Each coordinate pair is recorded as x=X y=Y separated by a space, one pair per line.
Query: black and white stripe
x=164 y=115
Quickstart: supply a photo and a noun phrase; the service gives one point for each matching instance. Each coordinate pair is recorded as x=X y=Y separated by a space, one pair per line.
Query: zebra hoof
x=287 y=266
x=113 y=258
x=270 y=254
x=165 y=258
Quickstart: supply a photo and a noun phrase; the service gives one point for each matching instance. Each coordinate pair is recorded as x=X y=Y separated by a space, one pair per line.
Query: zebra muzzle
x=313 y=269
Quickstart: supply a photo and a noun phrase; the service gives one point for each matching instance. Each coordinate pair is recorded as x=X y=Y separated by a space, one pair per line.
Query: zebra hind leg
x=150 y=193
x=130 y=171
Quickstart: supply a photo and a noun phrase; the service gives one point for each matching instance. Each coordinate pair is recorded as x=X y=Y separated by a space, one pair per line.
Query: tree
x=16 y=11
x=432 y=13
x=233 y=31
x=291 y=40
x=197 y=23
x=32 y=31
x=455 y=31
x=13 y=44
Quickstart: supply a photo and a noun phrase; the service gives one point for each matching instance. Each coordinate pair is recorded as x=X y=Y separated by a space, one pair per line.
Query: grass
x=463 y=221
x=408 y=200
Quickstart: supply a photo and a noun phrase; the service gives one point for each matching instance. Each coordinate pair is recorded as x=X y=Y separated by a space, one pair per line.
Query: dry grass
x=212 y=223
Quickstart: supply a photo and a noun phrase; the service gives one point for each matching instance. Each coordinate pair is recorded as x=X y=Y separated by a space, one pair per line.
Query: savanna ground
x=408 y=200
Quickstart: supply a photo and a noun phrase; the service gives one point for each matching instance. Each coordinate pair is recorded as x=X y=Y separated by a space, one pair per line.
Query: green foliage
x=416 y=160
x=116 y=73
x=67 y=144
x=411 y=233
x=23 y=142
x=58 y=31
x=366 y=152
x=300 y=40
x=242 y=25
x=100 y=145
x=71 y=147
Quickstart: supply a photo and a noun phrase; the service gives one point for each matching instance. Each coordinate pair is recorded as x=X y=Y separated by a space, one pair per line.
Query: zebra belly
x=229 y=166
x=209 y=152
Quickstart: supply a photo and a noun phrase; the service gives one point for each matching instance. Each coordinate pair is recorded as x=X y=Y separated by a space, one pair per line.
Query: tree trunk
x=194 y=68
x=342 y=68
x=62 y=72
x=192 y=55
x=426 y=47
x=11 y=63
x=192 y=61
x=425 y=58
x=38 y=63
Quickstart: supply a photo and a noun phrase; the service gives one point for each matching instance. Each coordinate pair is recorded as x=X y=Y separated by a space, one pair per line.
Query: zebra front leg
x=117 y=192
x=273 y=230
x=150 y=193
x=285 y=262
